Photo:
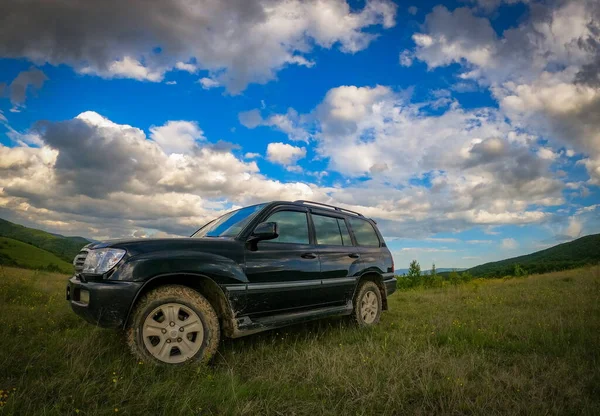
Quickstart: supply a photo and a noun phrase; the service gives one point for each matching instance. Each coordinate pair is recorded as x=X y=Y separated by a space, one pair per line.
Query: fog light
x=84 y=296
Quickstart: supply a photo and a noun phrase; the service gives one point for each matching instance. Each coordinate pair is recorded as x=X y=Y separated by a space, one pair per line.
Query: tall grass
x=521 y=346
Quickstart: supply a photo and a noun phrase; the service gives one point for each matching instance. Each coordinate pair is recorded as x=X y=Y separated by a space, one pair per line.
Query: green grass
x=520 y=346
x=65 y=248
x=17 y=253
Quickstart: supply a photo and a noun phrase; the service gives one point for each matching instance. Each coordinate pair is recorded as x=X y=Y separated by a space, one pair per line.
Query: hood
x=148 y=245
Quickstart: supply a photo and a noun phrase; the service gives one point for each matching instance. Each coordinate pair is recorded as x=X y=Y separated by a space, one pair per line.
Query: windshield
x=230 y=224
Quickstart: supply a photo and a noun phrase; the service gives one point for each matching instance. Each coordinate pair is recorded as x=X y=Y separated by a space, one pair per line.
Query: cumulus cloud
x=103 y=179
x=284 y=154
x=95 y=177
x=208 y=83
x=177 y=136
x=437 y=172
x=542 y=72
x=240 y=41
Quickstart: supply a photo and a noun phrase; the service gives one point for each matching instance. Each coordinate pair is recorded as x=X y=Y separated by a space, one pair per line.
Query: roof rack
x=302 y=201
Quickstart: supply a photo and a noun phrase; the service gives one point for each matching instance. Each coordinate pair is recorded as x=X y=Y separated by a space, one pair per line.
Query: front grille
x=79 y=260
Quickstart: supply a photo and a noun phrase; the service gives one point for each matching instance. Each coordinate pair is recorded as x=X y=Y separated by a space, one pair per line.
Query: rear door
x=284 y=274
x=340 y=259
x=368 y=245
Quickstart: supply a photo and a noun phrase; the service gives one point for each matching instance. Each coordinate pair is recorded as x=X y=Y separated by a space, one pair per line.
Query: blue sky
x=466 y=129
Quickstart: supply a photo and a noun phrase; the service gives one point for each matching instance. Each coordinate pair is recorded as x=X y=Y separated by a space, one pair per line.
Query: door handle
x=309 y=256
x=354 y=255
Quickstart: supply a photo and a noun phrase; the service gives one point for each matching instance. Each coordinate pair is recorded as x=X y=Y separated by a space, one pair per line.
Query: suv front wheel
x=172 y=325
x=367 y=304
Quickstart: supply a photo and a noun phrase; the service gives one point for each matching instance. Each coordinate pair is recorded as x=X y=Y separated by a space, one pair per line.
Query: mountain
x=64 y=248
x=577 y=253
x=19 y=254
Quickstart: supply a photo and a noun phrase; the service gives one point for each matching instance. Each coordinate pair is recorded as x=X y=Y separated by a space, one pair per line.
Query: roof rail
x=302 y=201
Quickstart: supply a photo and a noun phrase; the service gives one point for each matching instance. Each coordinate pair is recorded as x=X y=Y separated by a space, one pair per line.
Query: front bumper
x=109 y=300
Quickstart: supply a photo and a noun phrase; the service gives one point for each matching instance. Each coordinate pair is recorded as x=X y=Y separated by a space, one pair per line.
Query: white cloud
x=291 y=123
x=284 y=154
x=406 y=58
x=143 y=185
x=208 y=83
x=187 y=67
x=177 y=136
x=475 y=167
x=509 y=244
x=251 y=155
x=241 y=41
x=127 y=67
x=413 y=10
x=546 y=153
x=536 y=71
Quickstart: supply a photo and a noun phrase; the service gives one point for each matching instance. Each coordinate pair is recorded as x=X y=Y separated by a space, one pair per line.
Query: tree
x=414 y=273
x=519 y=271
x=433 y=271
x=454 y=277
x=414 y=270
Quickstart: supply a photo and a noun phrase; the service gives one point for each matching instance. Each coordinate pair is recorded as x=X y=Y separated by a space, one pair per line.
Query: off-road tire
x=180 y=295
x=367 y=290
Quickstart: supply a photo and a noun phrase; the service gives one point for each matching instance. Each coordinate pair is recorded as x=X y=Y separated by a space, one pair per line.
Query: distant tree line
x=416 y=278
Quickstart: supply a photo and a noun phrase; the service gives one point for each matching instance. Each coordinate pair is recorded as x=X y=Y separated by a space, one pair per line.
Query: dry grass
x=521 y=346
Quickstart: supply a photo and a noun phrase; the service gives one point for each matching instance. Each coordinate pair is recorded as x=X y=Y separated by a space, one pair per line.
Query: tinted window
x=345 y=234
x=364 y=232
x=293 y=227
x=230 y=224
x=327 y=230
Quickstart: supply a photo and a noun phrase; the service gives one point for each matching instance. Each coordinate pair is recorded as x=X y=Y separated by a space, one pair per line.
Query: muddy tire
x=173 y=325
x=367 y=304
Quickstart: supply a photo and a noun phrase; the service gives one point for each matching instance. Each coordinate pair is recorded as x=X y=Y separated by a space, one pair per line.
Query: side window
x=364 y=232
x=345 y=233
x=327 y=230
x=293 y=227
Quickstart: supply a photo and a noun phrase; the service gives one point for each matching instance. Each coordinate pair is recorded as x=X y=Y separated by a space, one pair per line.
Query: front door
x=284 y=274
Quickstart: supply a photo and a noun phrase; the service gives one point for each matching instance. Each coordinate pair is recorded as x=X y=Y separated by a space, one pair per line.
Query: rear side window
x=293 y=227
x=331 y=231
x=364 y=232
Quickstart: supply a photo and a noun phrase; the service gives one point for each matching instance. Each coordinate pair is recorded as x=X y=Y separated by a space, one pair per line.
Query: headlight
x=102 y=260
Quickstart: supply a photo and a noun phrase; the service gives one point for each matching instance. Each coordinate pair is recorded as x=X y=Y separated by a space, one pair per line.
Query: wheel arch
x=378 y=280
x=203 y=284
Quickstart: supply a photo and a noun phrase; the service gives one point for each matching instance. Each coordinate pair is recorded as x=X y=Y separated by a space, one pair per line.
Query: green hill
x=62 y=247
x=17 y=253
x=577 y=253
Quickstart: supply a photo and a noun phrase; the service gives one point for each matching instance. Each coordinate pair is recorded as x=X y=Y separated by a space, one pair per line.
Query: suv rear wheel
x=367 y=304
x=172 y=325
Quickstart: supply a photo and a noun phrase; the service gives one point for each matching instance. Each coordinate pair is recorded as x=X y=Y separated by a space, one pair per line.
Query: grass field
x=26 y=255
x=523 y=346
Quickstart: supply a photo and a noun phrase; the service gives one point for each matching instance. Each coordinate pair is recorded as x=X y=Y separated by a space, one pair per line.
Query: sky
x=469 y=130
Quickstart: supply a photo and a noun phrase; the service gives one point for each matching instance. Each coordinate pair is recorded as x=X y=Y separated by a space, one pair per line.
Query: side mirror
x=265 y=231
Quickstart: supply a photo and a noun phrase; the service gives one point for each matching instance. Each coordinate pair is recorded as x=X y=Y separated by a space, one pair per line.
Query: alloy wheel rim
x=173 y=333
x=369 y=306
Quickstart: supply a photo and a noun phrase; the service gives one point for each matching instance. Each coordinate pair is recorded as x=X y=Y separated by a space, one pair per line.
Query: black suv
x=257 y=268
